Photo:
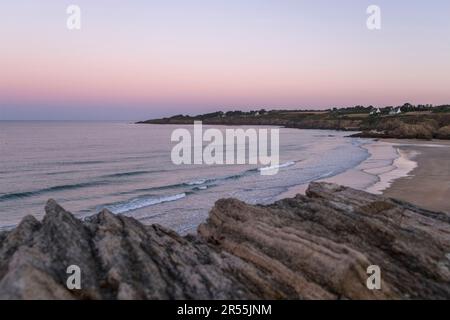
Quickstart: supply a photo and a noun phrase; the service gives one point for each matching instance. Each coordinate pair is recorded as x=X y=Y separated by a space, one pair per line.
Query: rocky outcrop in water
x=316 y=246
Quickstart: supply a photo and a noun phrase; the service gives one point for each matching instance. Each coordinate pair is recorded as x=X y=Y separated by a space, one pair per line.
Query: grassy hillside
x=413 y=122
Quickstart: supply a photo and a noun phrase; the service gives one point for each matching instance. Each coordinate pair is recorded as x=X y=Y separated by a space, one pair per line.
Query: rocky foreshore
x=317 y=246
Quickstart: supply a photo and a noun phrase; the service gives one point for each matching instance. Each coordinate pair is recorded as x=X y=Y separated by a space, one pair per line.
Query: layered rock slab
x=316 y=246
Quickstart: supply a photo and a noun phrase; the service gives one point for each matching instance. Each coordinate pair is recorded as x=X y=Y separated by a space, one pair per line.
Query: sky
x=135 y=60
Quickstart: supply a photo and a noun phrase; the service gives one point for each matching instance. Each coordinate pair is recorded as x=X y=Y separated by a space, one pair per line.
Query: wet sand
x=428 y=185
x=375 y=174
x=411 y=170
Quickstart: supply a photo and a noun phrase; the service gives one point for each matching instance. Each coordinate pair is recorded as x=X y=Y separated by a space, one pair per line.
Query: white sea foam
x=143 y=202
x=138 y=175
x=283 y=165
x=196 y=182
x=402 y=166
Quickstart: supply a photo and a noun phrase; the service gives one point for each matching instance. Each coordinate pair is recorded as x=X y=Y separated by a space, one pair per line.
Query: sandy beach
x=411 y=170
x=428 y=185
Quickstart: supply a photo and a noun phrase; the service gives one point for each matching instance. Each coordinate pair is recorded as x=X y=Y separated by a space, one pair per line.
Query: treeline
x=407 y=107
x=359 y=109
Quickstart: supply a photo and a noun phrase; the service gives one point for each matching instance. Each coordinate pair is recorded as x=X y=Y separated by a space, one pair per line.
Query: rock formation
x=316 y=246
x=419 y=125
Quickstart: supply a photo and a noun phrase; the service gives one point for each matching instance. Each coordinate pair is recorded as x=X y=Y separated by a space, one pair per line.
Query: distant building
x=375 y=111
x=395 y=111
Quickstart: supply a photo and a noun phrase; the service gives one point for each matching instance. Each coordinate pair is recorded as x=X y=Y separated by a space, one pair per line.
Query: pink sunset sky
x=134 y=60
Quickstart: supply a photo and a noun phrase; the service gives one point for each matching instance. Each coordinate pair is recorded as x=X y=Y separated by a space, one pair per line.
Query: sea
x=127 y=168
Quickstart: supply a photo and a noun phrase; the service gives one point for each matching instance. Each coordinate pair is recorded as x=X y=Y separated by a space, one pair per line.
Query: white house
x=395 y=111
x=375 y=111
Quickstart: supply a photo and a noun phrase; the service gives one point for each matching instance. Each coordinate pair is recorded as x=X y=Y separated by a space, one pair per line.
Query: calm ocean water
x=88 y=166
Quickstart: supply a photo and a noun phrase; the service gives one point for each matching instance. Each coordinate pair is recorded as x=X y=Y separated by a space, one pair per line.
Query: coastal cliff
x=408 y=125
x=316 y=246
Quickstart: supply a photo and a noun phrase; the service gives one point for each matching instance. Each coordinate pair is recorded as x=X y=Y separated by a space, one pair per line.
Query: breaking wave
x=139 y=203
x=279 y=166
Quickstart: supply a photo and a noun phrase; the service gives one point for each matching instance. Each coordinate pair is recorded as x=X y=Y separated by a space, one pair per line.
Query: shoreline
x=409 y=124
x=428 y=185
x=374 y=173
x=409 y=170
x=412 y=170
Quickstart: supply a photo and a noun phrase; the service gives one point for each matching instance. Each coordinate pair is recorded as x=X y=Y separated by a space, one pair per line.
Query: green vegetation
x=406 y=121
